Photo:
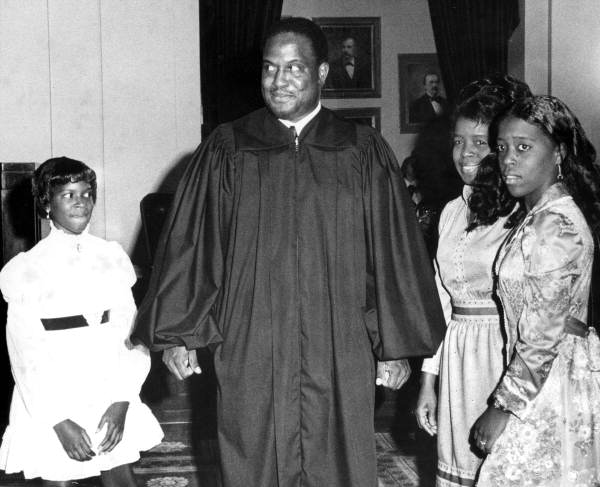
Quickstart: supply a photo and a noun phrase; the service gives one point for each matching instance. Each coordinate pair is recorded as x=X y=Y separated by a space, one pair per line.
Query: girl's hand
x=74 y=440
x=426 y=410
x=488 y=427
x=114 y=419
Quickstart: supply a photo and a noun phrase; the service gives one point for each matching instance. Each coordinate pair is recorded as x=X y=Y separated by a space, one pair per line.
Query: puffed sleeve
x=403 y=313
x=431 y=365
x=551 y=248
x=181 y=305
x=38 y=380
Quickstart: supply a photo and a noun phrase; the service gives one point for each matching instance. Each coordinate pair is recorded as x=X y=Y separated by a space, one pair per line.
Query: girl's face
x=528 y=159
x=470 y=145
x=71 y=207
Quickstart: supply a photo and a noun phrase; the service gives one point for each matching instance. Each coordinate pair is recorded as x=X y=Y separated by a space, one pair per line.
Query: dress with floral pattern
x=552 y=382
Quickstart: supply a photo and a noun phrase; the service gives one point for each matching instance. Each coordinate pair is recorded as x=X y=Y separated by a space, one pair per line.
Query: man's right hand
x=181 y=362
x=74 y=440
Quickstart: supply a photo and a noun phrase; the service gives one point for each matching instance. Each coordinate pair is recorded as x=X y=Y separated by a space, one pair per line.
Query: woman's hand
x=426 y=410
x=488 y=428
x=114 y=419
x=74 y=440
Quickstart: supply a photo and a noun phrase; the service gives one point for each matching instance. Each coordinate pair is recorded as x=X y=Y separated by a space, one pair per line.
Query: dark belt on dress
x=461 y=310
x=573 y=326
x=68 y=322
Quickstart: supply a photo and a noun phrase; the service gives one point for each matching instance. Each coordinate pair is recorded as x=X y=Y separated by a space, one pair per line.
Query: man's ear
x=323 y=71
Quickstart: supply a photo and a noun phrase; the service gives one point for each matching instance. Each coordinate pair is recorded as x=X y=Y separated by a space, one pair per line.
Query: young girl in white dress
x=76 y=410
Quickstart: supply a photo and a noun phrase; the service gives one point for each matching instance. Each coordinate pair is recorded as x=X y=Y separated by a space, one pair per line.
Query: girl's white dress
x=72 y=373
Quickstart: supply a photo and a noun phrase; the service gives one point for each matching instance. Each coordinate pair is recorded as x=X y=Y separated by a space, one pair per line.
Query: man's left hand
x=114 y=419
x=393 y=373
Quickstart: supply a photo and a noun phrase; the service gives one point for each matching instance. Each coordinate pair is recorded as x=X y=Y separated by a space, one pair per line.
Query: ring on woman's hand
x=482 y=442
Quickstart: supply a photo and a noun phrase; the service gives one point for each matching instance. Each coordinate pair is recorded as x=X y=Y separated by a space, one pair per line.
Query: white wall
x=562 y=56
x=405 y=28
x=115 y=83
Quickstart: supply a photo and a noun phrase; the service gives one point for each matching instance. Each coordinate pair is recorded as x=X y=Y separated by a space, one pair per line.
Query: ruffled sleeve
x=181 y=305
x=15 y=278
x=37 y=377
x=551 y=248
x=403 y=313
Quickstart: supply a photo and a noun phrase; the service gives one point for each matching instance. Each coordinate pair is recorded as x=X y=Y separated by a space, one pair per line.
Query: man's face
x=348 y=48
x=432 y=84
x=291 y=78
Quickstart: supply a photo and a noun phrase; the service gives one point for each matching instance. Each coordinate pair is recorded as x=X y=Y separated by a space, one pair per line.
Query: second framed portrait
x=354 y=56
x=422 y=95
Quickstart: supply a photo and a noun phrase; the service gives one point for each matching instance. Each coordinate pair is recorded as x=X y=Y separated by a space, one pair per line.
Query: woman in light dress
x=469 y=361
x=543 y=427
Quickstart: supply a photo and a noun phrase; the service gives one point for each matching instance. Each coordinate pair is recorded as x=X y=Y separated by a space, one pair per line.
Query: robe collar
x=261 y=130
x=303 y=122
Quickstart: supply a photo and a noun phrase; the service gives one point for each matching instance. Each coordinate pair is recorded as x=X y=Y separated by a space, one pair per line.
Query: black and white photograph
x=299 y=243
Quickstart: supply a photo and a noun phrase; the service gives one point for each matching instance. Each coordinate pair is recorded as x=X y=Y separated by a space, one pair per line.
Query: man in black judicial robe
x=295 y=255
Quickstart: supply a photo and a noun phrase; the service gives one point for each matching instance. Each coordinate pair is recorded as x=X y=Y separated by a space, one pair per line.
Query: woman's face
x=528 y=159
x=470 y=145
x=71 y=207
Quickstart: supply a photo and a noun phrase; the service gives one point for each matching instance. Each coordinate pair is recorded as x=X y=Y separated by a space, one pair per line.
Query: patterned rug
x=177 y=464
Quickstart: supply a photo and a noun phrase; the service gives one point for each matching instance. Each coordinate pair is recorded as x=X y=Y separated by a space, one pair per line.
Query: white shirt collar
x=300 y=124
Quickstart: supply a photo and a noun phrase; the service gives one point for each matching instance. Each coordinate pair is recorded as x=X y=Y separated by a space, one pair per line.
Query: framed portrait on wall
x=367 y=115
x=422 y=95
x=354 y=56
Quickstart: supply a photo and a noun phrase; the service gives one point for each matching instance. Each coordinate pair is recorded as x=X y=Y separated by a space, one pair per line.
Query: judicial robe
x=297 y=263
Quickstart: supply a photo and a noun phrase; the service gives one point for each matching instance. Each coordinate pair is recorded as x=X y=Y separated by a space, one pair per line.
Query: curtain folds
x=471 y=37
x=231 y=34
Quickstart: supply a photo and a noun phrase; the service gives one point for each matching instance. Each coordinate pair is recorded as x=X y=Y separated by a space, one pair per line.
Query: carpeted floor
x=176 y=464
x=188 y=456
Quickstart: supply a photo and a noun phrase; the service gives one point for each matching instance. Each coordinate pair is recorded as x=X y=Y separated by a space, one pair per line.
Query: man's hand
x=488 y=427
x=393 y=373
x=426 y=410
x=181 y=362
x=114 y=419
x=74 y=440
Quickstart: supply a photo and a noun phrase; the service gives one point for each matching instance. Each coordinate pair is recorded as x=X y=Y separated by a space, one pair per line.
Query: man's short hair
x=306 y=28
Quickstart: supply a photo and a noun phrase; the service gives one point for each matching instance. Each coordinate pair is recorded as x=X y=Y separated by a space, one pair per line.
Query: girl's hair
x=485 y=101
x=58 y=172
x=581 y=173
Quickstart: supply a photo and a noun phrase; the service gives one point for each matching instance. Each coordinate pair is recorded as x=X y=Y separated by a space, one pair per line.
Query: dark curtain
x=231 y=34
x=471 y=37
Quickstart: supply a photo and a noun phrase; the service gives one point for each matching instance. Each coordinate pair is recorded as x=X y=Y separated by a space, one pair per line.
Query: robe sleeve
x=403 y=313
x=181 y=305
x=551 y=249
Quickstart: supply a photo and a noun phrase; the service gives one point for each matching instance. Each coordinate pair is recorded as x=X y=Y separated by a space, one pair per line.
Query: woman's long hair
x=484 y=101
